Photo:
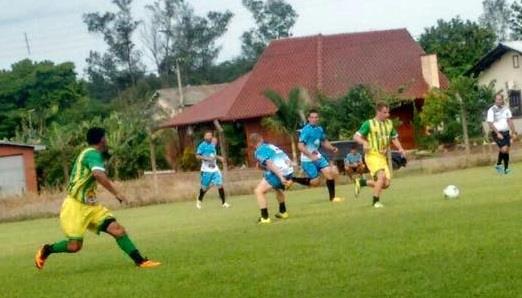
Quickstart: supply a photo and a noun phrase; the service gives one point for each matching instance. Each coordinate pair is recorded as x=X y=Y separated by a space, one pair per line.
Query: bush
x=189 y=161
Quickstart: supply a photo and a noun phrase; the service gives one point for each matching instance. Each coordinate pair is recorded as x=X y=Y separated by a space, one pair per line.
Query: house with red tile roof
x=328 y=64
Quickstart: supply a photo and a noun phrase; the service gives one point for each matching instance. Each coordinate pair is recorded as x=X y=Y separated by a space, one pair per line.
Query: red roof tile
x=333 y=64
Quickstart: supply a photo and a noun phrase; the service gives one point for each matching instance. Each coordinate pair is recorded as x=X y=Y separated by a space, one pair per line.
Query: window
x=514 y=102
x=516 y=63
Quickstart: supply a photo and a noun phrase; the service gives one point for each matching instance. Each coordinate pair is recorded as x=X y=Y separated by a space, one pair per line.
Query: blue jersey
x=312 y=136
x=207 y=149
x=266 y=152
x=351 y=159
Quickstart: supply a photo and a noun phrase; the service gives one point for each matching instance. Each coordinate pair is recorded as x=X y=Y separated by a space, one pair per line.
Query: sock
x=201 y=194
x=302 y=180
x=264 y=213
x=363 y=182
x=222 y=195
x=500 y=158
x=128 y=247
x=375 y=199
x=506 y=160
x=330 y=184
x=58 y=247
x=282 y=207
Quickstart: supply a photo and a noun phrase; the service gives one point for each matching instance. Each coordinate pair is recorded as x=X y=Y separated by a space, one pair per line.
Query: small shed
x=17 y=169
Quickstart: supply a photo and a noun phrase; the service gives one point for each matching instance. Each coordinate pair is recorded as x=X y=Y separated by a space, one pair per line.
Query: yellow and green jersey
x=82 y=184
x=378 y=133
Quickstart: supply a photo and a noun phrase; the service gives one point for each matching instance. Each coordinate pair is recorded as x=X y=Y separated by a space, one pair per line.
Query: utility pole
x=180 y=88
x=464 y=121
x=28 y=47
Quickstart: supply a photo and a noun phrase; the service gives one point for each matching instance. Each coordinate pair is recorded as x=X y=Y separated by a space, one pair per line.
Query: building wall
x=254 y=126
x=29 y=165
x=406 y=131
x=503 y=73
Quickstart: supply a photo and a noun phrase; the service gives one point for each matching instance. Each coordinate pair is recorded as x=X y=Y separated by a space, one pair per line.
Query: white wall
x=503 y=72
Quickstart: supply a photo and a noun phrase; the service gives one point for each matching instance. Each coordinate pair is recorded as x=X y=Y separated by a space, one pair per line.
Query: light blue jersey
x=353 y=159
x=266 y=152
x=207 y=149
x=311 y=136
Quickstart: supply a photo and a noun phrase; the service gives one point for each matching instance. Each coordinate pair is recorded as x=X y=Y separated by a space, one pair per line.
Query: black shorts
x=506 y=141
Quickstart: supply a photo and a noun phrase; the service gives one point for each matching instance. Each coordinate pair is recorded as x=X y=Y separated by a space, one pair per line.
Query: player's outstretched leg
x=64 y=246
x=113 y=228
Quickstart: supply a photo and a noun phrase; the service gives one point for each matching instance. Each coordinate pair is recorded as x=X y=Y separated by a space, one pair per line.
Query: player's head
x=214 y=141
x=208 y=136
x=353 y=150
x=96 y=137
x=499 y=100
x=255 y=139
x=313 y=117
x=382 y=111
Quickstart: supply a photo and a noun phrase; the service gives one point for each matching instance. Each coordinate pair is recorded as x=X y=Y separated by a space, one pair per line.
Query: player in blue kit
x=311 y=139
x=210 y=173
x=278 y=174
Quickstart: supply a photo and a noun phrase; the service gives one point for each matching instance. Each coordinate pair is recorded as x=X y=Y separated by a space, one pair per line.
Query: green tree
x=274 y=19
x=496 y=16
x=287 y=119
x=119 y=67
x=516 y=20
x=458 y=44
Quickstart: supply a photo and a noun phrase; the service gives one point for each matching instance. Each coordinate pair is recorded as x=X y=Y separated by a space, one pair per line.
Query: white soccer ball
x=451 y=192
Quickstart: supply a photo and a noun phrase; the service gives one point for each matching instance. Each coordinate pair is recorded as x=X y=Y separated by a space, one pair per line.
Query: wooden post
x=153 y=162
x=464 y=121
x=390 y=162
x=223 y=144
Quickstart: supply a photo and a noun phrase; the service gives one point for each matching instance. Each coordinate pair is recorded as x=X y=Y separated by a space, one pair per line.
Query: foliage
x=119 y=67
x=458 y=44
x=496 y=16
x=188 y=160
x=442 y=109
x=274 y=19
x=176 y=35
x=236 y=145
x=516 y=20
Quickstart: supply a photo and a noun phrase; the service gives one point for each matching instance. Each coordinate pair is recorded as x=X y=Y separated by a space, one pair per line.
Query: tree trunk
x=153 y=163
x=464 y=121
x=294 y=149
x=65 y=167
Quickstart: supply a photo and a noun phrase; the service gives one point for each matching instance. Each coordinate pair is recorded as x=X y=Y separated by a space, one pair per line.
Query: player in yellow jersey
x=375 y=135
x=81 y=210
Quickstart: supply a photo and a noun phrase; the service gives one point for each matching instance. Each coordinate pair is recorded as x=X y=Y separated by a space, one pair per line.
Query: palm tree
x=287 y=119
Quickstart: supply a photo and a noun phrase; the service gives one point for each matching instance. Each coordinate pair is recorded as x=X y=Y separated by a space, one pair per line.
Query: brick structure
x=26 y=153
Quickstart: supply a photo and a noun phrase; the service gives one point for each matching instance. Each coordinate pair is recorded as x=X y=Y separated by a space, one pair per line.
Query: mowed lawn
x=419 y=245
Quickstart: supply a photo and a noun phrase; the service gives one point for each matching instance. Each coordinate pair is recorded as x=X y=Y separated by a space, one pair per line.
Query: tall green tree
x=458 y=44
x=274 y=19
x=287 y=119
x=176 y=36
x=516 y=20
x=119 y=67
x=496 y=15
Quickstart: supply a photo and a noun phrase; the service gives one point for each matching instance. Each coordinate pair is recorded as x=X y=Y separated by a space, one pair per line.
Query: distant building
x=502 y=66
x=323 y=64
x=17 y=169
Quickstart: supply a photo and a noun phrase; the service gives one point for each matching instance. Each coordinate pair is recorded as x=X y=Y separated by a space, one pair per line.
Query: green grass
x=419 y=245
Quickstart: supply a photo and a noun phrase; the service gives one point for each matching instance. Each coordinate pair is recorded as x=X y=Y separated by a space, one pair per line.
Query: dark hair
x=312 y=111
x=95 y=135
x=381 y=105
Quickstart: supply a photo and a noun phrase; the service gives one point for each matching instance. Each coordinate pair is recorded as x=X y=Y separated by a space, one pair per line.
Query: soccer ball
x=451 y=192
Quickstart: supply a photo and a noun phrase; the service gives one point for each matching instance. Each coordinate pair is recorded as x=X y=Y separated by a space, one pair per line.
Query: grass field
x=419 y=245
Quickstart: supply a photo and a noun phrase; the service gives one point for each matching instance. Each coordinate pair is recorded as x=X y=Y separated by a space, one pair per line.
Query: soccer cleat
x=336 y=200
x=264 y=221
x=39 y=258
x=149 y=264
x=357 y=187
x=198 y=204
x=282 y=215
x=378 y=205
x=500 y=169
x=507 y=171
x=226 y=205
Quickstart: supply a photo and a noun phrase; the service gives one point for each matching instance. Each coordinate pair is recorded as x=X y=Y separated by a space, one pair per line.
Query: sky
x=55 y=30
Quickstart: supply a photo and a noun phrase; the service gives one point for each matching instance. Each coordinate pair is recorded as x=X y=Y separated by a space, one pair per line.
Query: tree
x=274 y=19
x=120 y=67
x=287 y=119
x=516 y=20
x=177 y=36
x=496 y=16
x=458 y=44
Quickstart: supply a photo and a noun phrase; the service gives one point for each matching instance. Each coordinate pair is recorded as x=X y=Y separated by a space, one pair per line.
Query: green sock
x=363 y=182
x=128 y=247
x=59 y=247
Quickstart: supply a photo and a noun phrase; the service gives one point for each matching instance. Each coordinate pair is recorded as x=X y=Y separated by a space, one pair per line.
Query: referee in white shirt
x=502 y=129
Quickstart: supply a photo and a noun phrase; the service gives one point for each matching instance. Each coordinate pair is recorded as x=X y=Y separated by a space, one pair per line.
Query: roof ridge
x=284 y=39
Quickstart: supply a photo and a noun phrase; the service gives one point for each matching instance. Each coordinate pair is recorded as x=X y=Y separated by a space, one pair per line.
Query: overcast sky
x=56 y=32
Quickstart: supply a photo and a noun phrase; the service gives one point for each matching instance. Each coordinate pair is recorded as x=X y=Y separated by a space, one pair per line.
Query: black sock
x=302 y=180
x=506 y=160
x=136 y=257
x=500 y=158
x=222 y=195
x=363 y=182
x=375 y=200
x=201 y=194
x=282 y=207
x=264 y=213
x=47 y=250
x=330 y=184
